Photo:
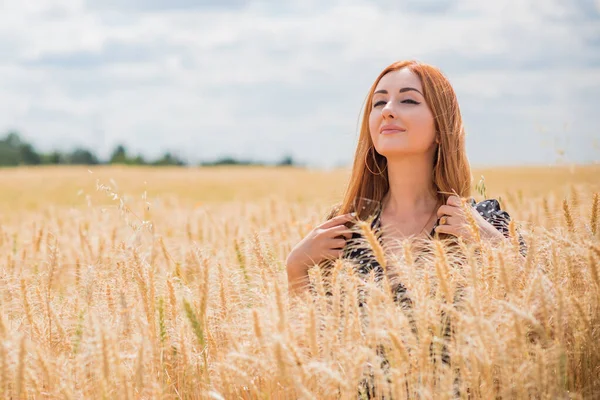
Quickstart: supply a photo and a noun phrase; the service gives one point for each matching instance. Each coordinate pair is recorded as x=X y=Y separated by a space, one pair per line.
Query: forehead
x=396 y=80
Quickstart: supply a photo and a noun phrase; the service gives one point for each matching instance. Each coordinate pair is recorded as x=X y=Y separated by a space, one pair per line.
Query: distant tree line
x=15 y=151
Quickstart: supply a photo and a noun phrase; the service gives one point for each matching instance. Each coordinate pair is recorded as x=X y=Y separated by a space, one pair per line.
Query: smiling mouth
x=391 y=131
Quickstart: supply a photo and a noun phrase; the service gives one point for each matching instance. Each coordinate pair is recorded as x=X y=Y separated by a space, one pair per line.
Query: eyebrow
x=404 y=89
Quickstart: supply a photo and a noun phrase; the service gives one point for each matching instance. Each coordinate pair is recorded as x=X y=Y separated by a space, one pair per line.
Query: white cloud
x=259 y=79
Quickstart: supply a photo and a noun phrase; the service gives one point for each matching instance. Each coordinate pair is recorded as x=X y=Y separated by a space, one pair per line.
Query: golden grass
x=182 y=293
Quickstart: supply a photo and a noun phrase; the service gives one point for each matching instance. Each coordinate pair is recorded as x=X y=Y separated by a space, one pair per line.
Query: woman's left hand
x=456 y=222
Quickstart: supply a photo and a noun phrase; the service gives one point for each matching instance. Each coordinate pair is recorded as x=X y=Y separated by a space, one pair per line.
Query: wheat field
x=168 y=283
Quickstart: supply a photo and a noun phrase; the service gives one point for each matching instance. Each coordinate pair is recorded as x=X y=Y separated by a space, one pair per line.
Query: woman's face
x=400 y=121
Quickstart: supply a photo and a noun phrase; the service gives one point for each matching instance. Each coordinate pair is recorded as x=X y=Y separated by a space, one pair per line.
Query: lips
x=391 y=129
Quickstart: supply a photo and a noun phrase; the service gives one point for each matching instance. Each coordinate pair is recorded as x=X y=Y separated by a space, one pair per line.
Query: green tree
x=53 y=158
x=10 y=149
x=287 y=160
x=138 y=160
x=119 y=155
x=82 y=157
x=169 y=159
x=28 y=155
x=13 y=140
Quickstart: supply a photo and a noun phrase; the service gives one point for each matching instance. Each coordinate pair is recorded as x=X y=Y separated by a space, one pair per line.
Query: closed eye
x=407 y=101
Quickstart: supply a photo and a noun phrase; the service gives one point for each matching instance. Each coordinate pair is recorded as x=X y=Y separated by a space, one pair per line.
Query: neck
x=411 y=189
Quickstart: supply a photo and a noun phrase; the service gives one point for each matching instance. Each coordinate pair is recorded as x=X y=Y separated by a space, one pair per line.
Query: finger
x=334 y=253
x=451 y=230
x=340 y=230
x=344 y=236
x=454 y=201
x=447 y=210
x=339 y=220
x=453 y=221
x=337 y=243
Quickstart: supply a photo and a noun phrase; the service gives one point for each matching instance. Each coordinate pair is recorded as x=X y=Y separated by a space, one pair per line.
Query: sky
x=265 y=79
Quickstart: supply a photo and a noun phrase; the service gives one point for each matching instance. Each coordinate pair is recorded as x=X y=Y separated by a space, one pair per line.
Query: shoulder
x=491 y=211
x=489 y=208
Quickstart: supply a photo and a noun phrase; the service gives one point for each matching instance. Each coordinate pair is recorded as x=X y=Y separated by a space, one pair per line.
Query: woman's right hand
x=326 y=241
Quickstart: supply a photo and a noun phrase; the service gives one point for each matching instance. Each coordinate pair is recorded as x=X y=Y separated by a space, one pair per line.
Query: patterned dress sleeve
x=490 y=210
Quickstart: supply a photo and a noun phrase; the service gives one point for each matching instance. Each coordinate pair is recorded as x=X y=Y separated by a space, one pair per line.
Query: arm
x=297 y=275
x=324 y=242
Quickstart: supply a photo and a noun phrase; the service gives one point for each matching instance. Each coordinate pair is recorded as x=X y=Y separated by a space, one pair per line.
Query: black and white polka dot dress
x=357 y=251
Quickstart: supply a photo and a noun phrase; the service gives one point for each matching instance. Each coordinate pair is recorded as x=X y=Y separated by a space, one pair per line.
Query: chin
x=391 y=152
x=401 y=148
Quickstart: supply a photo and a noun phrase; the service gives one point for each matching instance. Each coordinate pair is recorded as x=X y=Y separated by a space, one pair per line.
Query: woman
x=409 y=177
x=409 y=161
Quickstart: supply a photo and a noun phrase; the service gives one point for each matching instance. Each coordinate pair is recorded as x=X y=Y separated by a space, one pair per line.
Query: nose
x=387 y=111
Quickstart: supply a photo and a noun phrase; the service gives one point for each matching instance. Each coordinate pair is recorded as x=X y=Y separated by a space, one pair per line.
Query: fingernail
x=353 y=214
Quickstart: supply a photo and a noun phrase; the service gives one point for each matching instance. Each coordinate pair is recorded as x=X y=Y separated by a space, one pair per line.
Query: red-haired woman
x=409 y=174
x=409 y=178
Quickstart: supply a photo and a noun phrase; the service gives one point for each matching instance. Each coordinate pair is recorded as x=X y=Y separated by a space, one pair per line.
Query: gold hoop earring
x=372 y=151
x=366 y=163
x=381 y=171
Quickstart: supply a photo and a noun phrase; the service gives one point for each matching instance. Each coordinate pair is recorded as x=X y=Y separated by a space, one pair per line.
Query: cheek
x=422 y=121
x=374 y=122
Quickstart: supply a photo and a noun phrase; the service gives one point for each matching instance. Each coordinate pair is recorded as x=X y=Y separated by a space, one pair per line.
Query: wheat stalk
x=568 y=216
x=4 y=381
x=20 y=376
x=594 y=214
x=96 y=300
x=373 y=242
x=258 y=332
x=172 y=301
x=471 y=223
x=281 y=323
x=197 y=327
x=594 y=270
x=441 y=269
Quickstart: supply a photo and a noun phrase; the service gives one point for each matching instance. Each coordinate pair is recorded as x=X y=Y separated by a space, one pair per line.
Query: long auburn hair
x=451 y=172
